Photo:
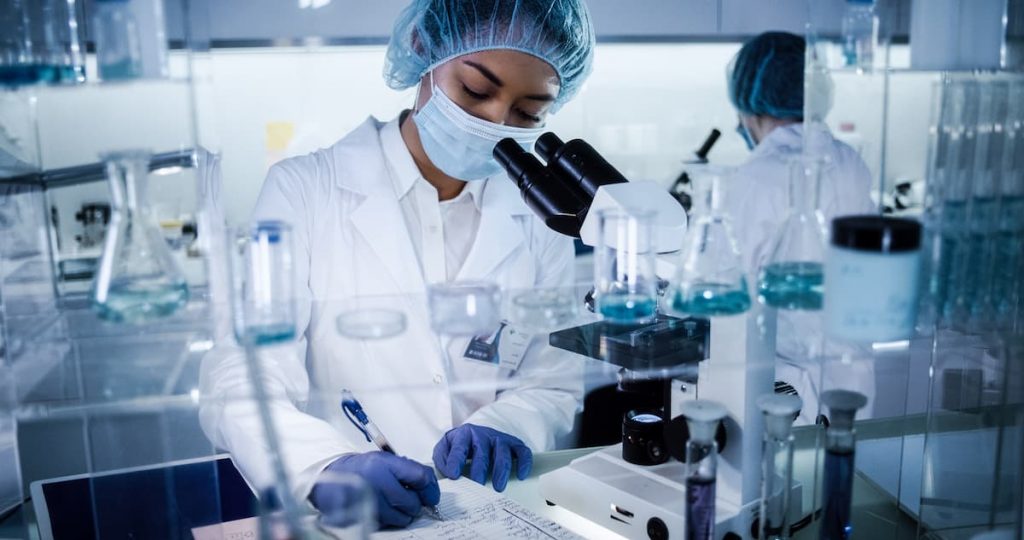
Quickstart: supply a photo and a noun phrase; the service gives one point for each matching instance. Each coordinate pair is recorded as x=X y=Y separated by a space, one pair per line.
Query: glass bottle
x=137 y=278
x=777 y=463
x=702 y=418
x=624 y=274
x=840 y=442
x=711 y=279
x=793 y=277
x=860 y=33
x=131 y=39
x=263 y=277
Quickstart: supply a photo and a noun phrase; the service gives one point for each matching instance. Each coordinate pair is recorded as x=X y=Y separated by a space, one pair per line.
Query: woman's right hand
x=402 y=486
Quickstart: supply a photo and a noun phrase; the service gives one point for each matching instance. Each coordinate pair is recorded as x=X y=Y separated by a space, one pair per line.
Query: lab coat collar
x=781 y=140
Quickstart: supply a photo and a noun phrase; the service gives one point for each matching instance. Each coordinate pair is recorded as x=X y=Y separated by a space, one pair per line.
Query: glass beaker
x=793 y=277
x=137 y=278
x=464 y=308
x=263 y=277
x=131 y=39
x=40 y=42
x=625 y=282
x=711 y=279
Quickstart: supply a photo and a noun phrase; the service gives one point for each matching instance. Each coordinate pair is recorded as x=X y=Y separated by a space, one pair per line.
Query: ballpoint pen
x=355 y=414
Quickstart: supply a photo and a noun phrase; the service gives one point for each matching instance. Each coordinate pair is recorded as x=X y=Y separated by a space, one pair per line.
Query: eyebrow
x=499 y=83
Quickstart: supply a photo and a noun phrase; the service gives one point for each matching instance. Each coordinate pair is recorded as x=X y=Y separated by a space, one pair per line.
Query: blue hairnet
x=428 y=33
x=766 y=77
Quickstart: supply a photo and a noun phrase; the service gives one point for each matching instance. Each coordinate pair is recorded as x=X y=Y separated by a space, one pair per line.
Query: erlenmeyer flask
x=137 y=279
x=793 y=276
x=711 y=279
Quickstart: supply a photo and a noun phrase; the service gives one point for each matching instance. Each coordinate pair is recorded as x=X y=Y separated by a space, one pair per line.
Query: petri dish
x=464 y=308
x=377 y=323
x=544 y=309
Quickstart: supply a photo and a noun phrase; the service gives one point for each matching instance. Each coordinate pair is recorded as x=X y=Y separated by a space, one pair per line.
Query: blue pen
x=355 y=414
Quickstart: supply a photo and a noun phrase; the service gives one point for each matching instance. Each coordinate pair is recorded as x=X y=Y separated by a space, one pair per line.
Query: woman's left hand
x=483 y=446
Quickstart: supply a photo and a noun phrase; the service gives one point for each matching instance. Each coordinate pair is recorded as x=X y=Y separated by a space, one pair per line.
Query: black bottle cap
x=876 y=233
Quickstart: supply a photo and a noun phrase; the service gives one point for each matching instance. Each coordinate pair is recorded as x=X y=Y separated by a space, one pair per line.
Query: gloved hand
x=483 y=445
x=402 y=485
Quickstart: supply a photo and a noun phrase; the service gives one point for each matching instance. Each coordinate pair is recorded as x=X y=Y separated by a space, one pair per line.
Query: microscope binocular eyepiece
x=561 y=191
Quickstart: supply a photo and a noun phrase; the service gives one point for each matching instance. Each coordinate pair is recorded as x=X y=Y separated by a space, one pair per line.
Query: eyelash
x=478 y=96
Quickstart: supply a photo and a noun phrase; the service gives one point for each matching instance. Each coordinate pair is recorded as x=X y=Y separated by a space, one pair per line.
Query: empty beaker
x=137 y=278
x=711 y=279
x=625 y=282
x=464 y=308
x=793 y=277
x=263 y=277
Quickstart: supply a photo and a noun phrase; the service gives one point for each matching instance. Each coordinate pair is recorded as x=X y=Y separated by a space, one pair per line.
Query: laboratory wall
x=647 y=107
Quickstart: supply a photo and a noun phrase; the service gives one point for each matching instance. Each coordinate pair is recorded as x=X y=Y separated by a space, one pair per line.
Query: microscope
x=636 y=488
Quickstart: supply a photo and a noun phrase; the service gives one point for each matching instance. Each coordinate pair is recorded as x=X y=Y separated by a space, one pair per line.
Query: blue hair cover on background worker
x=387 y=210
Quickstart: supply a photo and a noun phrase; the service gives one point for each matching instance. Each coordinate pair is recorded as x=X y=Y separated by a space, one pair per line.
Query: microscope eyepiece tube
x=547 y=145
x=577 y=163
x=549 y=197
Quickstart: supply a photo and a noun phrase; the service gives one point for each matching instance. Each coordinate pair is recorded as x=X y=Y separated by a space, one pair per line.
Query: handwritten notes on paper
x=475 y=512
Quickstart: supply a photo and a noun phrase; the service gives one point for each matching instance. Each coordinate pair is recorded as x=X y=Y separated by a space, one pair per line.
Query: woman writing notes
x=391 y=208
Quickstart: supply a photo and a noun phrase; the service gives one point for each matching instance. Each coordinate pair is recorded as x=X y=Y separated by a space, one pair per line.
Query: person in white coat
x=766 y=86
x=389 y=209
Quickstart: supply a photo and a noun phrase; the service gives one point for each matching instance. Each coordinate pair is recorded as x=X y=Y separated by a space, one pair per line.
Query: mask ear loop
x=416 y=108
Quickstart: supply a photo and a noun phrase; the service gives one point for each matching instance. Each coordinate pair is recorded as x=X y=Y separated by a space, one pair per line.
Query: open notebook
x=472 y=512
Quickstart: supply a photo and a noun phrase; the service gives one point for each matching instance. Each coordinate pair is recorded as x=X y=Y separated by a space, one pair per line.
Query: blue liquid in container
x=793 y=285
x=24 y=74
x=712 y=299
x=700 y=509
x=269 y=334
x=135 y=301
x=627 y=308
x=838 y=496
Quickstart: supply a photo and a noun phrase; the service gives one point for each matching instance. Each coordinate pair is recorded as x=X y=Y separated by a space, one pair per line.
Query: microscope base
x=636 y=501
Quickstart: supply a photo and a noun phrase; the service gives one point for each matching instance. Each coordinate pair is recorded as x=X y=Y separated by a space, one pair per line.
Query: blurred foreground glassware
x=137 y=278
x=702 y=418
x=40 y=42
x=263 y=279
x=777 y=463
x=131 y=39
x=464 y=308
x=544 y=310
x=840 y=442
x=370 y=323
x=711 y=279
x=624 y=279
x=793 y=277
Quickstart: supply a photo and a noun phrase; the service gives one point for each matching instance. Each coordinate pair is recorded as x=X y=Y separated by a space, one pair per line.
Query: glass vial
x=702 y=418
x=137 y=278
x=711 y=279
x=131 y=39
x=793 y=277
x=777 y=464
x=263 y=277
x=624 y=278
x=860 y=34
x=840 y=442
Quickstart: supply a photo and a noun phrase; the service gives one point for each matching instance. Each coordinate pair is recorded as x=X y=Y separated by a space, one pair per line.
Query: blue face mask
x=745 y=133
x=460 y=144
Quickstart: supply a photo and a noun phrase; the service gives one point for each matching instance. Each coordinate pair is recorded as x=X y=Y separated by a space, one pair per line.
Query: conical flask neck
x=127 y=174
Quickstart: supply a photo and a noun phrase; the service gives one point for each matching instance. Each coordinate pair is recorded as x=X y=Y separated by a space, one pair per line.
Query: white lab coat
x=351 y=241
x=757 y=200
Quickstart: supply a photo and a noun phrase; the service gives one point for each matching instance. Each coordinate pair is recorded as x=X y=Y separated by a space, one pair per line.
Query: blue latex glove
x=402 y=485
x=483 y=445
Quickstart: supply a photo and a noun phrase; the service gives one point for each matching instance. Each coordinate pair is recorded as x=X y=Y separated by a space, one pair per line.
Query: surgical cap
x=431 y=32
x=766 y=78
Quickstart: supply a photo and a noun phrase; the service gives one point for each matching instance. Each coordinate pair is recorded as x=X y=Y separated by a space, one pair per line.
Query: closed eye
x=528 y=117
x=472 y=94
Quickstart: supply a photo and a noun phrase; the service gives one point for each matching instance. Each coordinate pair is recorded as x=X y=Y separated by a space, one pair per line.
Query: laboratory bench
x=876 y=512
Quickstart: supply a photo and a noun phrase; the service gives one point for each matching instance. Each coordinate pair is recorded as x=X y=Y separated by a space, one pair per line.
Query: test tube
x=840 y=440
x=702 y=417
x=777 y=466
x=624 y=259
x=263 y=284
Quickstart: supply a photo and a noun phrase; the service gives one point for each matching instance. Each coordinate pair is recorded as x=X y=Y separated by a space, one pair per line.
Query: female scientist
x=390 y=208
x=766 y=86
